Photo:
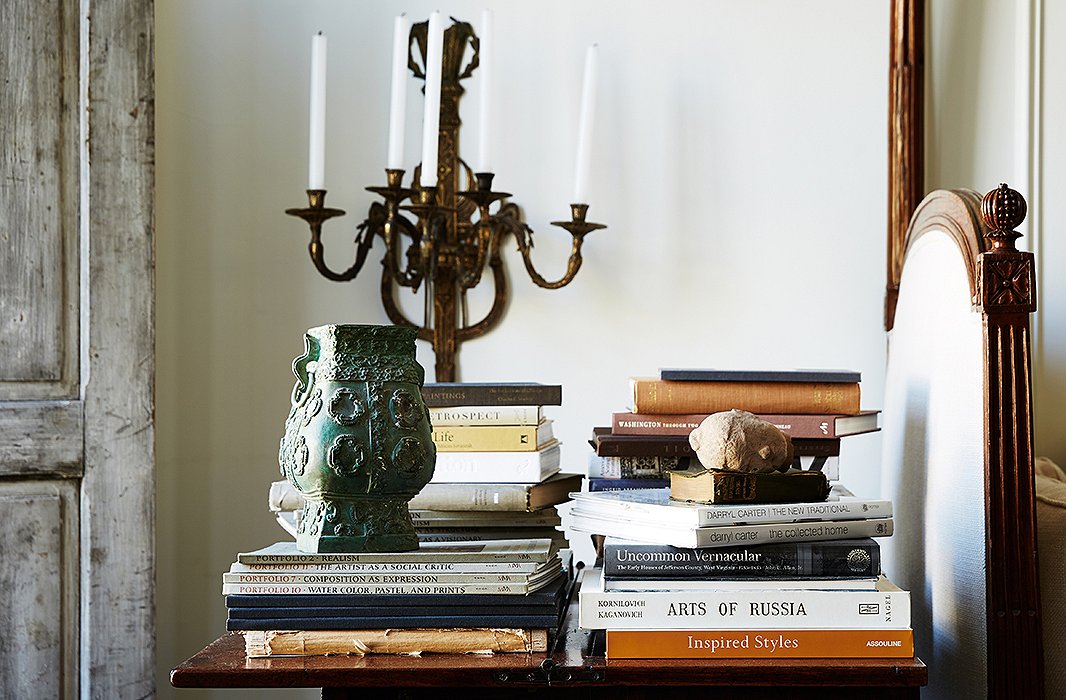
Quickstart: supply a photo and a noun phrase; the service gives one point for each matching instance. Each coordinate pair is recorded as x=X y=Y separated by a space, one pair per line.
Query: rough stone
x=740 y=441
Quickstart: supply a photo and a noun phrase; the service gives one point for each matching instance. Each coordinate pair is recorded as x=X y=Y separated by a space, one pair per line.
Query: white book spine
x=759 y=609
x=496 y=467
x=485 y=415
x=425 y=568
x=384 y=579
x=726 y=535
x=687 y=515
x=354 y=589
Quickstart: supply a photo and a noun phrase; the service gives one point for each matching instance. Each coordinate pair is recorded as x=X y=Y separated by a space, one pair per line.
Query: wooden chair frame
x=1003 y=289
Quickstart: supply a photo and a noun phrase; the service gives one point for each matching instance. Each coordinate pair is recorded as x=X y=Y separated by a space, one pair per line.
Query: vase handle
x=299 y=368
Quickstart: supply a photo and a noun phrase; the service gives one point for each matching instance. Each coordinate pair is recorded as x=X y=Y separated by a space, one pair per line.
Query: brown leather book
x=660 y=396
x=721 y=486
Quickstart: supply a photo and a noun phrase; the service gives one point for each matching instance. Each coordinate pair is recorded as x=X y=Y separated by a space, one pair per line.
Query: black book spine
x=858 y=558
x=371 y=623
x=443 y=394
x=284 y=613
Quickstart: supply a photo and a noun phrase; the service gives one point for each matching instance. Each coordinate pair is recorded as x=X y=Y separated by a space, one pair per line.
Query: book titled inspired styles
x=886 y=607
x=450 y=394
x=760 y=644
x=655 y=505
x=394 y=641
x=659 y=396
x=725 y=486
x=768 y=562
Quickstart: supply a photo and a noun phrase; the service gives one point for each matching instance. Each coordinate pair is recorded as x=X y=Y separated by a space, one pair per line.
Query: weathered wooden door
x=76 y=349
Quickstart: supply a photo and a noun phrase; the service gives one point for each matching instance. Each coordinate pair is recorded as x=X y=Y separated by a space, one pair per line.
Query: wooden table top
x=573 y=661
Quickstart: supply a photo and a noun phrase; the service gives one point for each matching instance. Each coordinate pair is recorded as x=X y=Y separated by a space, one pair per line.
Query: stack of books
x=495 y=596
x=494 y=436
x=689 y=580
x=497 y=473
x=717 y=564
x=815 y=408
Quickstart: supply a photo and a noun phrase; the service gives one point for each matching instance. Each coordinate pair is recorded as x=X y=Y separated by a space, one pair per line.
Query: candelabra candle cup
x=358 y=443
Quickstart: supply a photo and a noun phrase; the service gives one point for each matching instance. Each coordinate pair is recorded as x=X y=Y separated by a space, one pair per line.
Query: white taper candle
x=485 y=105
x=398 y=101
x=431 y=118
x=584 y=129
x=316 y=161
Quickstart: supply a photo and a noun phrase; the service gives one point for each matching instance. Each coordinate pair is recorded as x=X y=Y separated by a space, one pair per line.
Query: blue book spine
x=625 y=484
x=370 y=623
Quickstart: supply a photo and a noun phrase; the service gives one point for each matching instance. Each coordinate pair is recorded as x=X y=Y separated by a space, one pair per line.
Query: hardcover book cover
x=845 y=376
x=722 y=486
x=760 y=644
x=782 y=560
x=809 y=426
x=550 y=596
x=656 y=505
x=450 y=394
x=886 y=607
x=659 y=396
x=549 y=621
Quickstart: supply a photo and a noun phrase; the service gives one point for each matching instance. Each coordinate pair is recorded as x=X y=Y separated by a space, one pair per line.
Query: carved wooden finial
x=1003 y=210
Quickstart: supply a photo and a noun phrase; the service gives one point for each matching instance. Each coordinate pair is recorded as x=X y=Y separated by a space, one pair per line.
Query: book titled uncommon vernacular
x=655 y=505
x=720 y=535
x=886 y=607
x=491 y=394
x=783 y=560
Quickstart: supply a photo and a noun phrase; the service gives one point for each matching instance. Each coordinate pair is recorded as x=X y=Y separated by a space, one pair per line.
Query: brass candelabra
x=441 y=241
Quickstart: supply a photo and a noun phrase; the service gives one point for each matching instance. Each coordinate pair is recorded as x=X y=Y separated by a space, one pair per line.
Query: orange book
x=759 y=644
x=660 y=396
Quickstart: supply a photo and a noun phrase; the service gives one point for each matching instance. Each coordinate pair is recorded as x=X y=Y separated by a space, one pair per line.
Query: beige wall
x=739 y=161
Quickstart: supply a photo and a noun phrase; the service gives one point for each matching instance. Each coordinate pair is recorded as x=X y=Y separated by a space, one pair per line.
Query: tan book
x=659 y=396
x=759 y=644
x=394 y=641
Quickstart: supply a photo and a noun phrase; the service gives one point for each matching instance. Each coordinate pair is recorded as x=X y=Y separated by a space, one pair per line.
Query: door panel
x=39 y=173
x=41 y=438
x=38 y=588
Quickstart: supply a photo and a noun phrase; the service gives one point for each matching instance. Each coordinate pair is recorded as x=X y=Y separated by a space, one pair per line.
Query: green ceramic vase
x=358 y=443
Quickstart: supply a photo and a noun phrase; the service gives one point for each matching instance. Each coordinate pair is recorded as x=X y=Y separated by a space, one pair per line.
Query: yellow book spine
x=491 y=438
x=759 y=644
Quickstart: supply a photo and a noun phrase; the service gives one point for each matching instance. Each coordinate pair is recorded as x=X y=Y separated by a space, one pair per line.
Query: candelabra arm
x=315 y=214
x=578 y=228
